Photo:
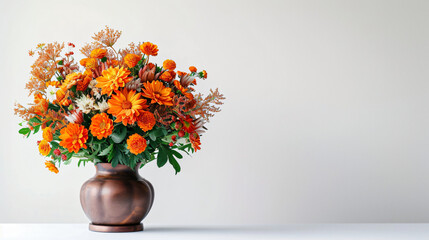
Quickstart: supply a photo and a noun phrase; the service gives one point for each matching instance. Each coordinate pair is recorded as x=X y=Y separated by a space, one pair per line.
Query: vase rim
x=119 y=167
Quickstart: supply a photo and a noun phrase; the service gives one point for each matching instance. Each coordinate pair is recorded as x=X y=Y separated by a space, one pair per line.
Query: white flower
x=92 y=83
x=102 y=106
x=85 y=104
x=51 y=93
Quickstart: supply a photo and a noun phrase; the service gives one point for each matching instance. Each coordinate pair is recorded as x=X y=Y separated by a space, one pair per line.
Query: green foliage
x=119 y=133
x=114 y=148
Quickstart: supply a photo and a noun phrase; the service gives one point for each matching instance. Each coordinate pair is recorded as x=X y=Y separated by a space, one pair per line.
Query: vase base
x=116 y=228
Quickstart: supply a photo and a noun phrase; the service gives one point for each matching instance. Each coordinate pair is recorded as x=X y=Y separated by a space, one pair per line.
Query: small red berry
x=171 y=144
x=57 y=152
x=63 y=157
x=174 y=138
x=181 y=133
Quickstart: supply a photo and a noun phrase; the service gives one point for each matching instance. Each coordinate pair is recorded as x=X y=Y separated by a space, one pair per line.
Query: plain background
x=326 y=117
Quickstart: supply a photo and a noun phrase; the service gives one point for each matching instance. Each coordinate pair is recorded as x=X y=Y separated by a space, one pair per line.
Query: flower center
x=126 y=105
x=102 y=125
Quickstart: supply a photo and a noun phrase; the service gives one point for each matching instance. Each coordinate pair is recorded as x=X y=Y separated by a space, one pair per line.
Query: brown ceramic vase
x=116 y=199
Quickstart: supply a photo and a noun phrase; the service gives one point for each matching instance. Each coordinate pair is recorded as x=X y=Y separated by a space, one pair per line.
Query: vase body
x=116 y=199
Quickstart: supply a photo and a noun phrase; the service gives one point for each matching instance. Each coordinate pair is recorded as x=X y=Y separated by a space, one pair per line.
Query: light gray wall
x=326 y=118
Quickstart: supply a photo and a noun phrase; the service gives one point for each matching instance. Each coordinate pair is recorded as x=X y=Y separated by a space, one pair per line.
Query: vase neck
x=107 y=169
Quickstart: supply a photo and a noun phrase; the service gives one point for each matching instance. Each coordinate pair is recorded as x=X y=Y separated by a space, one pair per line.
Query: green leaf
x=104 y=59
x=61 y=62
x=111 y=154
x=119 y=134
x=106 y=150
x=176 y=154
x=117 y=157
x=24 y=131
x=36 y=129
x=55 y=145
x=162 y=157
x=152 y=136
x=173 y=162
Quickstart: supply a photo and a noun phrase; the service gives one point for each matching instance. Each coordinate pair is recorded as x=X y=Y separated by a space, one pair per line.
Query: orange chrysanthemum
x=156 y=91
x=126 y=106
x=204 y=74
x=112 y=79
x=47 y=134
x=169 y=64
x=146 y=121
x=132 y=59
x=98 y=53
x=168 y=76
x=73 y=137
x=101 y=126
x=44 y=147
x=149 y=49
x=192 y=69
x=51 y=167
x=183 y=90
x=136 y=144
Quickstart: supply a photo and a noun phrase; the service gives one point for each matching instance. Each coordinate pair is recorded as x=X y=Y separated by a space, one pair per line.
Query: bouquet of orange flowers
x=115 y=105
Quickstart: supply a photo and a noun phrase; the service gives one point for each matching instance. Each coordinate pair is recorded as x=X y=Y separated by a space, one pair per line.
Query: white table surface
x=293 y=231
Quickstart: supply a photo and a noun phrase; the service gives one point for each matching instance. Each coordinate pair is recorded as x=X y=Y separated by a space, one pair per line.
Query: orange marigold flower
x=83 y=61
x=132 y=59
x=73 y=137
x=169 y=64
x=98 y=53
x=136 y=144
x=51 y=167
x=112 y=79
x=192 y=69
x=31 y=53
x=149 y=49
x=204 y=74
x=126 y=106
x=44 y=147
x=146 y=121
x=181 y=73
x=47 y=134
x=101 y=126
x=156 y=91
x=90 y=63
x=183 y=90
x=168 y=76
